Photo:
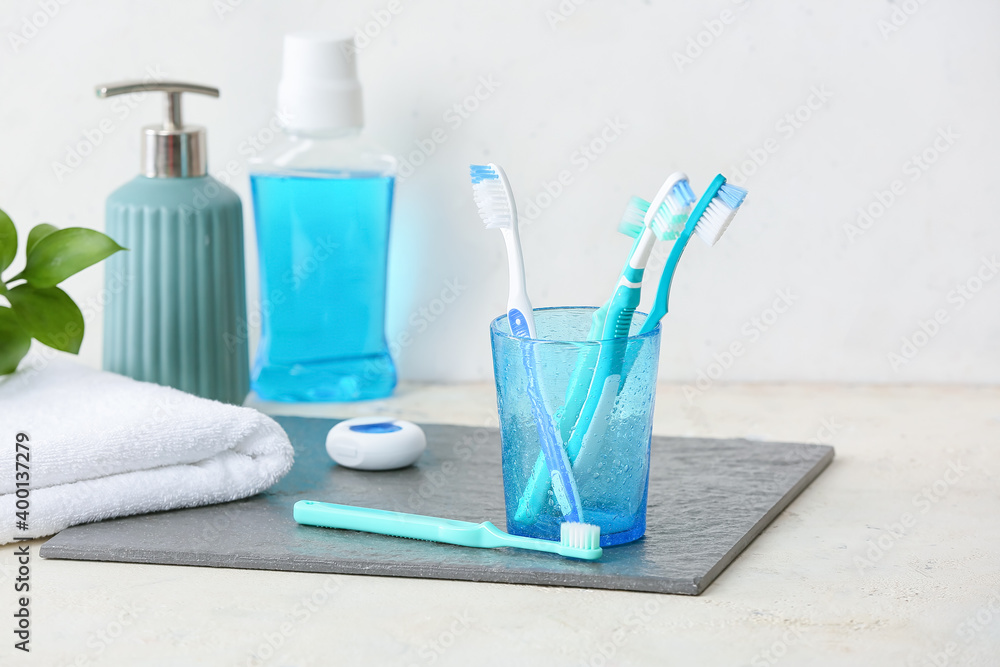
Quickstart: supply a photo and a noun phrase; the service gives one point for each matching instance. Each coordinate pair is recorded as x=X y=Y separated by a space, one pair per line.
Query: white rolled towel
x=102 y=445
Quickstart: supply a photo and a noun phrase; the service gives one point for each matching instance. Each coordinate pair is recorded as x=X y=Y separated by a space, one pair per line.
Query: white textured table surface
x=891 y=557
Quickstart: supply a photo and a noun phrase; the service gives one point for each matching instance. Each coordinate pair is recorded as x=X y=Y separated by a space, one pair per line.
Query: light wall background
x=701 y=87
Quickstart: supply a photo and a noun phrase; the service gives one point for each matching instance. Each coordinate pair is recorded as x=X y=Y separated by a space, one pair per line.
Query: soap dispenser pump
x=176 y=304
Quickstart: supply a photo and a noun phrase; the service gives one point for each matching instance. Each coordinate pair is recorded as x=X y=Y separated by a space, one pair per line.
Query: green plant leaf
x=37 y=233
x=49 y=315
x=14 y=342
x=8 y=240
x=62 y=253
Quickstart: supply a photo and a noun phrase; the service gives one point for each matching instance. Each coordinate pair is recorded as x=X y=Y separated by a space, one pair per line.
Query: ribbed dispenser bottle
x=176 y=303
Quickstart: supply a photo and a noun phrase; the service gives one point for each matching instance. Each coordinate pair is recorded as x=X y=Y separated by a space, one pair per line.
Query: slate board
x=708 y=499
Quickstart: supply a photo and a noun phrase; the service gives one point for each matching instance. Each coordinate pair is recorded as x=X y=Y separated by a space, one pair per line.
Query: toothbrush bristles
x=490 y=196
x=633 y=219
x=673 y=213
x=667 y=225
x=719 y=213
x=482 y=172
x=682 y=194
x=580 y=535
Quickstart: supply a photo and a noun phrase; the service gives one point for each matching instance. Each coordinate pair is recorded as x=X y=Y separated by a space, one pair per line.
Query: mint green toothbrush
x=577 y=540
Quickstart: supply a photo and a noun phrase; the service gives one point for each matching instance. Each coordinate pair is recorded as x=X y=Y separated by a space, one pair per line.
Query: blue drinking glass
x=611 y=468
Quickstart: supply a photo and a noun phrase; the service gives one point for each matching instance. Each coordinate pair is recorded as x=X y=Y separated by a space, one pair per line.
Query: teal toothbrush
x=577 y=540
x=711 y=216
x=709 y=219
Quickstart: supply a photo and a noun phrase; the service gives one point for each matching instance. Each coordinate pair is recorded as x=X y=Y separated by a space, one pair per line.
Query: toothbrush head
x=667 y=221
x=580 y=540
x=677 y=200
x=633 y=220
x=493 y=196
x=717 y=208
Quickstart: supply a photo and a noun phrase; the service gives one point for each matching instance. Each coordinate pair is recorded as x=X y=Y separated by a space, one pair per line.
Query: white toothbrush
x=493 y=195
x=495 y=200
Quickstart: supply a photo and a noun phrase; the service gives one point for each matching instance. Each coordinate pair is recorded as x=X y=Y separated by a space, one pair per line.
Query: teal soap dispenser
x=176 y=305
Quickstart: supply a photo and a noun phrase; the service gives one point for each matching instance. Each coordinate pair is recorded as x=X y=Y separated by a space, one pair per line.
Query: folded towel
x=102 y=445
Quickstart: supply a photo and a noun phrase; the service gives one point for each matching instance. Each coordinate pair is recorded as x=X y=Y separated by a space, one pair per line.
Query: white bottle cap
x=319 y=88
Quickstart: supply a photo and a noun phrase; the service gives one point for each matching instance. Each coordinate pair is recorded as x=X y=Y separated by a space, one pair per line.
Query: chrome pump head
x=170 y=150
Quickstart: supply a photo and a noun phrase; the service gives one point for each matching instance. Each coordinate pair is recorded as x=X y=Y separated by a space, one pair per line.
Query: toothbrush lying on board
x=594 y=396
x=495 y=200
x=577 y=540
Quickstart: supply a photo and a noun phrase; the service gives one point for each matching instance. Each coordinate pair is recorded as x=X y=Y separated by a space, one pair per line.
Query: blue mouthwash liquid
x=323 y=242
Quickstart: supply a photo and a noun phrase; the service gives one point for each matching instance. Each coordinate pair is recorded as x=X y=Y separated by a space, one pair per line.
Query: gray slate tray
x=708 y=499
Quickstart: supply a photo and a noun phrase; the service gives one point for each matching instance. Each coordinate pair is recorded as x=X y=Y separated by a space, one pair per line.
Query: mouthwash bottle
x=322 y=200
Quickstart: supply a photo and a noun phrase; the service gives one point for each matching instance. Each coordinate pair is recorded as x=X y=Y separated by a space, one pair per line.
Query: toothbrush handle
x=615 y=322
x=519 y=311
x=585 y=395
x=607 y=380
x=416 y=526
x=382 y=522
x=616 y=368
x=663 y=290
x=616 y=325
x=518 y=323
x=579 y=382
x=660 y=303
x=553 y=452
x=413 y=526
x=612 y=320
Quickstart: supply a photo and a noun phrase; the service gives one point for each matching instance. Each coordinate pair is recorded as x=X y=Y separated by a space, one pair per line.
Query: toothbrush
x=667 y=223
x=495 y=200
x=709 y=219
x=667 y=212
x=592 y=398
x=577 y=540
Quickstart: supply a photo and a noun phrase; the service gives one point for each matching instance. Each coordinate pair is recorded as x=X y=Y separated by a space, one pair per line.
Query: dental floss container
x=375 y=443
